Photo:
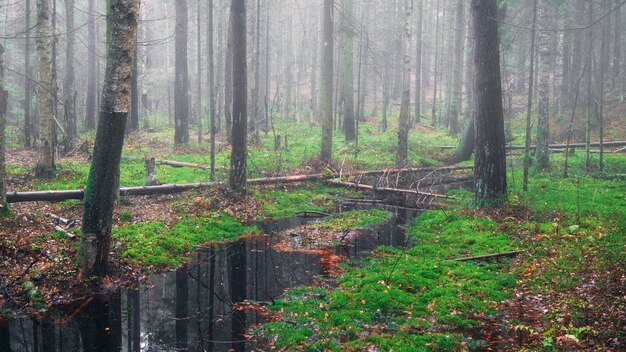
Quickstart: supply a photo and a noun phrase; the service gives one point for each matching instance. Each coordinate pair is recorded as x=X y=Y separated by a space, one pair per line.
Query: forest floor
x=554 y=295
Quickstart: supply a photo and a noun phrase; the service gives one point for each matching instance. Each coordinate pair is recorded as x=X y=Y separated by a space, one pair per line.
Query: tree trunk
x=436 y=73
x=28 y=128
x=45 y=164
x=181 y=90
x=228 y=84
x=211 y=83
x=199 y=111
x=70 y=106
x=103 y=182
x=327 y=83
x=529 y=102
x=457 y=75
x=4 y=207
x=239 y=154
x=617 y=49
x=403 y=127
x=418 y=61
x=134 y=94
x=543 y=125
x=490 y=164
x=90 y=114
x=347 y=63
x=238 y=279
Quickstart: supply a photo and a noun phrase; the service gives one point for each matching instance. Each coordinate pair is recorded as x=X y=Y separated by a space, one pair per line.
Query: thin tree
x=543 y=124
x=199 y=71
x=211 y=79
x=529 y=102
x=45 y=164
x=27 y=81
x=457 y=74
x=90 y=113
x=228 y=83
x=181 y=88
x=347 y=63
x=490 y=163
x=239 y=154
x=403 y=128
x=418 y=60
x=327 y=83
x=70 y=101
x=103 y=182
x=4 y=207
x=134 y=95
x=436 y=74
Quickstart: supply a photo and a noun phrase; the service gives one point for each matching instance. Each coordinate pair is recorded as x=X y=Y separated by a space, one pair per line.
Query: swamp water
x=199 y=306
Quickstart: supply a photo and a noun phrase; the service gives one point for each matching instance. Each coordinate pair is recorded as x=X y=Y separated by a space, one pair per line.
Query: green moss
x=287 y=202
x=154 y=244
x=405 y=289
x=358 y=219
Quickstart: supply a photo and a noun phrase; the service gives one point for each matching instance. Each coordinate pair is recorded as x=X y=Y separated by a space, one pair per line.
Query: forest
x=312 y=175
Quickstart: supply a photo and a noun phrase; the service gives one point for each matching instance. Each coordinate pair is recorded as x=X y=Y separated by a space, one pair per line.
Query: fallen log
x=337 y=182
x=58 y=196
x=67 y=234
x=554 y=146
x=405 y=170
x=620 y=150
x=489 y=256
x=173 y=163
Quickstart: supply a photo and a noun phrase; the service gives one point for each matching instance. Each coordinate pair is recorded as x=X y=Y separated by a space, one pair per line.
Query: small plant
x=125 y=216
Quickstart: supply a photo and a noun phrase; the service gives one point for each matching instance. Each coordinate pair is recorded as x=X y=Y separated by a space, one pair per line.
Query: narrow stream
x=194 y=308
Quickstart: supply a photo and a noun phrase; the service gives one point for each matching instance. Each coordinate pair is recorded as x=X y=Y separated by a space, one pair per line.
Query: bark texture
x=403 y=128
x=90 y=114
x=45 y=164
x=347 y=62
x=543 y=125
x=181 y=89
x=490 y=163
x=327 y=83
x=103 y=182
x=239 y=154
x=4 y=207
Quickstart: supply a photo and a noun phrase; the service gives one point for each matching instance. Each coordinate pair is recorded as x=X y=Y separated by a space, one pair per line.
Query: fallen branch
x=620 y=150
x=489 y=256
x=67 y=234
x=173 y=163
x=386 y=189
x=64 y=221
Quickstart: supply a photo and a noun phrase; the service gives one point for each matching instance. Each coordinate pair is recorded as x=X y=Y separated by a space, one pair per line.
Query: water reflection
x=193 y=308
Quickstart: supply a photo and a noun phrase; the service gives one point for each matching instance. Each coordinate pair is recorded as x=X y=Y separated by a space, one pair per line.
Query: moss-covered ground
x=571 y=233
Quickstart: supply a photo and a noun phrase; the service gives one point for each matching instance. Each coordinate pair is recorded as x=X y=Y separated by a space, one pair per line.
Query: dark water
x=193 y=307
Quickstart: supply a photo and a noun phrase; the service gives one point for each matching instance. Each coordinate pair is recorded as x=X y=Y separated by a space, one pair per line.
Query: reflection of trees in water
x=193 y=307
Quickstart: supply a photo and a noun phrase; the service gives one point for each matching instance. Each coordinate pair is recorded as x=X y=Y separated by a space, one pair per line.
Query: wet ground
x=203 y=306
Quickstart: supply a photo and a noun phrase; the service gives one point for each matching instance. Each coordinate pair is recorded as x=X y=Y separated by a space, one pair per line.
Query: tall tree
x=457 y=71
x=199 y=71
x=529 y=102
x=4 y=207
x=92 y=72
x=543 y=125
x=490 y=163
x=45 y=164
x=228 y=83
x=211 y=82
x=103 y=182
x=327 y=83
x=239 y=154
x=27 y=81
x=403 y=128
x=134 y=94
x=418 y=60
x=70 y=101
x=436 y=74
x=347 y=63
x=181 y=89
